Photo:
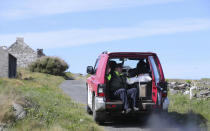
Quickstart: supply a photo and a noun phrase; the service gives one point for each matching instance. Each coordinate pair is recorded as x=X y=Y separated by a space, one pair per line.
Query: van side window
x=155 y=69
x=96 y=65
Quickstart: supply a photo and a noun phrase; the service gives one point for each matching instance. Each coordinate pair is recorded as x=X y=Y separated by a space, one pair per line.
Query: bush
x=188 y=81
x=49 y=65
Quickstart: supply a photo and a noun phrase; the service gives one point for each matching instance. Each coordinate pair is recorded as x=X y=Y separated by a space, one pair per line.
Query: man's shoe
x=123 y=112
x=135 y=109
x=128 y=110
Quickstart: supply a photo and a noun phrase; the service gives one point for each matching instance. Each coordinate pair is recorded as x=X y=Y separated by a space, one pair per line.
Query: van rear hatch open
x=147 y=90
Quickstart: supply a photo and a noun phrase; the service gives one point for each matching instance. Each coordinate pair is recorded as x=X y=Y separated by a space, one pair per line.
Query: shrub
x=188 y=81
x=49 y=65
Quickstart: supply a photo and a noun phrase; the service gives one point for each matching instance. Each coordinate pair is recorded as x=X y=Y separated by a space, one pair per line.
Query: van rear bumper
x=118 y=105
x=100 y=105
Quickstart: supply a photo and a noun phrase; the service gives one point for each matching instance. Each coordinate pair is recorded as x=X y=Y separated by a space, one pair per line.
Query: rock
x=204 y=93
x=182 y=86
x=2 y=127
x=20 y=113
x=173 y=83
x=187 y=84
x=186 y=92
x=203 y=88
x=81 y=120
x=208 y=97
x=176 y=88
x=173 y=92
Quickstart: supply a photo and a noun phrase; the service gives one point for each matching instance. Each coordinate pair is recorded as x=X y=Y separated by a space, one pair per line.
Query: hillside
x=46 y=107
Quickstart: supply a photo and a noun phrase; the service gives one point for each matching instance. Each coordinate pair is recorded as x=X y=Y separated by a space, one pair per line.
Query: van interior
x=132 y=67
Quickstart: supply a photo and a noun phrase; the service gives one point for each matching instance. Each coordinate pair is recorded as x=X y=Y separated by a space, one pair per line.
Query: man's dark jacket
x=117 y=81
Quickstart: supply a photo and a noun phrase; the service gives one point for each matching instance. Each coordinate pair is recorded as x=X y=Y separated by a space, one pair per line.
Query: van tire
x=89 y=110
x=99 y=117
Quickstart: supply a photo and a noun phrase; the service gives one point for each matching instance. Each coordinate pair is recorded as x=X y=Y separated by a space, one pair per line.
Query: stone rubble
x=186 y=88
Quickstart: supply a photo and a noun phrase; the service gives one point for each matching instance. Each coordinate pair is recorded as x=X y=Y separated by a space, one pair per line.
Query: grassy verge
x=48 y=108
x=71 y=76
x=185 y=110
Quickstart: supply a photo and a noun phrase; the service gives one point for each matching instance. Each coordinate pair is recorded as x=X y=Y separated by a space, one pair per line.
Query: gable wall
x=24 y=54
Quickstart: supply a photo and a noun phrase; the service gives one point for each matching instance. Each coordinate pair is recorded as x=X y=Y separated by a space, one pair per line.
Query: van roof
x=130 y=53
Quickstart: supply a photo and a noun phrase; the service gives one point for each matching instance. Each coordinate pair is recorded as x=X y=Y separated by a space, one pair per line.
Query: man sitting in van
x=118 y=87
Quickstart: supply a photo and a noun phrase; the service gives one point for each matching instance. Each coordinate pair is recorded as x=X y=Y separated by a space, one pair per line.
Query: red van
x=152 y=94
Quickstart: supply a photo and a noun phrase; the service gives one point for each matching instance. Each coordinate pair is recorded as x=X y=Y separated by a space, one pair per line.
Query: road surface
x=76 y=89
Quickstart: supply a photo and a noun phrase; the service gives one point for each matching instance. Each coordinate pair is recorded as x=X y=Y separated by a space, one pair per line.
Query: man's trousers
x=125 y=94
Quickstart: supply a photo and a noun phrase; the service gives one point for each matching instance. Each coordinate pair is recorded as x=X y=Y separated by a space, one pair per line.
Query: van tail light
x=101 y=90
x=111 y=106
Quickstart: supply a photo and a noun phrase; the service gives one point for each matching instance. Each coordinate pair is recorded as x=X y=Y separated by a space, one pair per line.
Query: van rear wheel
x=99 y=117
x=89 y=110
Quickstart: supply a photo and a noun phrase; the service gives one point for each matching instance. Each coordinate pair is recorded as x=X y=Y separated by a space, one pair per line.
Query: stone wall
x=4 y=63
x=24 y=54
x=199 y=89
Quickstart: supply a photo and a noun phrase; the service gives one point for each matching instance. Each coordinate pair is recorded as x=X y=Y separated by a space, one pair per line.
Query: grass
x=71 y=76
x=195 y=110
x=48 y=108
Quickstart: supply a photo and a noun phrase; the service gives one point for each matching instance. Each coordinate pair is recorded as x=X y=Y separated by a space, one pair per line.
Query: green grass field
x=48 y=108
x=194 y=111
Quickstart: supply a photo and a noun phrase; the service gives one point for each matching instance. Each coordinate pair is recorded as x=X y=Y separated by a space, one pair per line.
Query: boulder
x=186 y=92
x=203 y=88
x=173 y=83
x=182 y=85
x=20 y=113
x=187 y=85
x=205 y=93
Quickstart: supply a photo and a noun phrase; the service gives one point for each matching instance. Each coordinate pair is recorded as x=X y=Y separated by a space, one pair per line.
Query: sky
x=79 y=30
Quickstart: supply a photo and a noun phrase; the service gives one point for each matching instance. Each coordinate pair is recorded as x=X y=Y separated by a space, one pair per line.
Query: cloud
x=76 y=37
x=23 y=9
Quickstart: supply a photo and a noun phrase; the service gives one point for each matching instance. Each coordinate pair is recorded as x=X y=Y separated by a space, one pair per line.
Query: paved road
x=77 y=91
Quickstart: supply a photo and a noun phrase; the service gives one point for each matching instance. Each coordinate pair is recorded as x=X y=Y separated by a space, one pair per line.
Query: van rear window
x=131 y=66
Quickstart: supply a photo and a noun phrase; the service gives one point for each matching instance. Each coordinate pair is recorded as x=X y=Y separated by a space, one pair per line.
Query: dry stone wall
x=198 y=89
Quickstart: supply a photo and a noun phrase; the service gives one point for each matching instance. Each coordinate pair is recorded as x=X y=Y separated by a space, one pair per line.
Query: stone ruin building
x=24 y=54
x=8 y=64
